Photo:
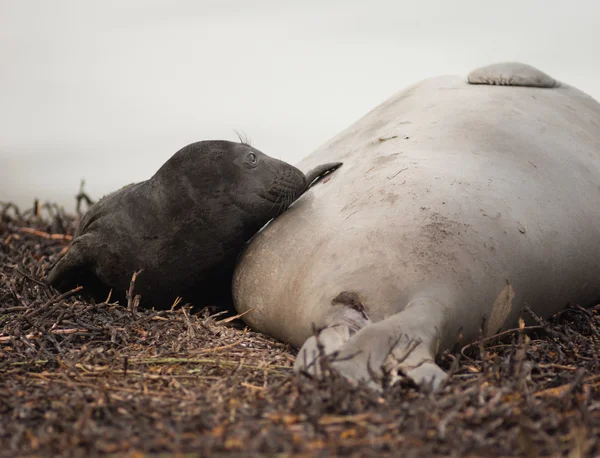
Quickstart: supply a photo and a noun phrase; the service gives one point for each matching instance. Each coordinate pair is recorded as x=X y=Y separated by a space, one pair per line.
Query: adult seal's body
x=460 y=200
x=184 y=227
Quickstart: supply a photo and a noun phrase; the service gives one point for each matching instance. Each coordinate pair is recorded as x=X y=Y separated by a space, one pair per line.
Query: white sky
x=108 y=90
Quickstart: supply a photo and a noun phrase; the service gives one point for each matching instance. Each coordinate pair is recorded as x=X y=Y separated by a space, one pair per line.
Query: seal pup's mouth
x=290 y=183
x=281 y=198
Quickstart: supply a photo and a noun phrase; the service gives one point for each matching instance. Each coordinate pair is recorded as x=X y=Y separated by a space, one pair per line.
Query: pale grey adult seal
x=184 y=227
x=458 y=201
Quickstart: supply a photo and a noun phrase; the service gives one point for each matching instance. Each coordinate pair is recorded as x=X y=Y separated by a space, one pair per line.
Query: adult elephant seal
x=184 y=227
x=460 y=200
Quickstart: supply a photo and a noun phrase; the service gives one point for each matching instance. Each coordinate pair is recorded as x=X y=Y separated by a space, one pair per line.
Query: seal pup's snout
x=287 y=184
x=289 y=180
x=281 y=184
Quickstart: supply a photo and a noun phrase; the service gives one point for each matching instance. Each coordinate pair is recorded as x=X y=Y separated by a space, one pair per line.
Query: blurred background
x=107 y=91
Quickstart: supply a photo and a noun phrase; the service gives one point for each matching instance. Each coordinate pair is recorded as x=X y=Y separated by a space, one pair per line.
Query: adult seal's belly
x=460 y=198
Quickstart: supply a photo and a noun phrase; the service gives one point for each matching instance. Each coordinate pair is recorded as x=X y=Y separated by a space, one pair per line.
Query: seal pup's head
x=235 y=173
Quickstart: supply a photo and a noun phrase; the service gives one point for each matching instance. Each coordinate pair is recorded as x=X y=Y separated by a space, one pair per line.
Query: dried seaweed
x=80 y=378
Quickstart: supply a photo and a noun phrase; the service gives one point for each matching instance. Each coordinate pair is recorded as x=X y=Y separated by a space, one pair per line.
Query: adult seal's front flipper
x=320 y=171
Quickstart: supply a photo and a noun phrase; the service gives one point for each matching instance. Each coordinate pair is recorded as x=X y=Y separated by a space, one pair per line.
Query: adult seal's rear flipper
x=511 y=74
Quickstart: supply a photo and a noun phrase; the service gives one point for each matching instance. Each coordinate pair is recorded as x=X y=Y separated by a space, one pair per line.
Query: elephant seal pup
x=459 y=201
x=184 y=227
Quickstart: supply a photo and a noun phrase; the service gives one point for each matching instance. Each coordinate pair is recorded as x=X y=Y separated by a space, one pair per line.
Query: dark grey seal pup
x=184 y=227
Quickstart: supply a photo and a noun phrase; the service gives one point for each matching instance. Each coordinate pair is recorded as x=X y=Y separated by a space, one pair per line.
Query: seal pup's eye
x=252 y=158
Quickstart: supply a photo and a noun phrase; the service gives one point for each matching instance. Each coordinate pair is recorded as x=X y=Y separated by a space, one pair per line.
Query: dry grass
x=80 y=378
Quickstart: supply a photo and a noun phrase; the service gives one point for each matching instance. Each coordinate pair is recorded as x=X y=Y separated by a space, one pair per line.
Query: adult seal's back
x=184 y=227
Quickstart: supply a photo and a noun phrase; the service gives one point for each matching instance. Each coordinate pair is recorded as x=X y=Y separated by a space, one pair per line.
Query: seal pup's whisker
x=281 y=204
x=288 y=197
x=275 y=170
x=274 y=202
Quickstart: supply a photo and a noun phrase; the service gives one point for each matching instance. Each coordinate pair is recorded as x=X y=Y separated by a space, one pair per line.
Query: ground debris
x=80 y=378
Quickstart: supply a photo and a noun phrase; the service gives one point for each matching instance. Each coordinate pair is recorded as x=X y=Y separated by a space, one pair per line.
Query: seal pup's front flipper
x=73 y=269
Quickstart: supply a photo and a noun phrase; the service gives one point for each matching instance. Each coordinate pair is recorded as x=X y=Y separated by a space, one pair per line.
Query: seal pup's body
x=183 y=228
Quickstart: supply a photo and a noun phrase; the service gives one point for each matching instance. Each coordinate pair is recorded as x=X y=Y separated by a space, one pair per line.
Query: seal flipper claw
x=399 y=347
x=327 y=341
x=322 y=345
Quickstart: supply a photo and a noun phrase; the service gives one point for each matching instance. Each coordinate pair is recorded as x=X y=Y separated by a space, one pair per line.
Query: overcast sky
x=108 y=90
